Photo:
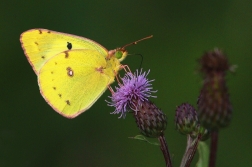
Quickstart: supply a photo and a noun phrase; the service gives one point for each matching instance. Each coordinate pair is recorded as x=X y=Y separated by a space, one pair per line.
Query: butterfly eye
x=118 y=54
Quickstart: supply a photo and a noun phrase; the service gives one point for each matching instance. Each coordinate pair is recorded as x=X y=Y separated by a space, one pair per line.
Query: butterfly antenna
x=134 y=43
x=138 y=55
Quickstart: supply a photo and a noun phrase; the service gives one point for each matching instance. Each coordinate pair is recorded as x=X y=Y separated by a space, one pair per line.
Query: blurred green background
x=33 y=134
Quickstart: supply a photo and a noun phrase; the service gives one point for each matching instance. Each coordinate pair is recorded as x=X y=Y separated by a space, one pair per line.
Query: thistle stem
x=213 y=148
x=164 y=149
x=192 y=145
x=193 y=151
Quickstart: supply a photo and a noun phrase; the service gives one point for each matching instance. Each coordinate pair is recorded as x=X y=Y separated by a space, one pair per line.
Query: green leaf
x=142 y=138
x=203 y=155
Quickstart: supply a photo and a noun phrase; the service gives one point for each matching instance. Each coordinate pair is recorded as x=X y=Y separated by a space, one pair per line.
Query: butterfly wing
x=40 y=45
x=73 y=80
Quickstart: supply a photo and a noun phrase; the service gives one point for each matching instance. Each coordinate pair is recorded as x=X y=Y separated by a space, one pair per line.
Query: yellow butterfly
x=73 y=72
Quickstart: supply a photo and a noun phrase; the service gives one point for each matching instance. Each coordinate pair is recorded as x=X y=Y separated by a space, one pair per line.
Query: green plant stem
x=193 y=151
x=213 y=148
x=164 y=149
x=190 y=151
x=187 y=153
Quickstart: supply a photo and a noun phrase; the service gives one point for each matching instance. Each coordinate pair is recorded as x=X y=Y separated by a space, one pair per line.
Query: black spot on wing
x=69 y=46
x=68 y=102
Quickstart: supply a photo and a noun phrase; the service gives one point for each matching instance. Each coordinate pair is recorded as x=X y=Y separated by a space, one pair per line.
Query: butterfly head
x=119 y=53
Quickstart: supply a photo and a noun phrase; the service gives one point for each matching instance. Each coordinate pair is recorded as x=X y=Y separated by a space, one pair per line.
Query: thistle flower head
x=134 y=88
x=214 y=107
x=133 y=94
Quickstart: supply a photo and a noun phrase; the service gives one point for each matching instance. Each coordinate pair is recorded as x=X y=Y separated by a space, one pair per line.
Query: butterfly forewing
x=40 y=45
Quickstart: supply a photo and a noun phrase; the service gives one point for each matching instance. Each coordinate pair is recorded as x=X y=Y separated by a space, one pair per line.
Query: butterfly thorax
x=113 y=62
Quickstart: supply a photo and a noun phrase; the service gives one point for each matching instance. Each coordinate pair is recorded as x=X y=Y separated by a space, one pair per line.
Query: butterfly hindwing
x=73 y=80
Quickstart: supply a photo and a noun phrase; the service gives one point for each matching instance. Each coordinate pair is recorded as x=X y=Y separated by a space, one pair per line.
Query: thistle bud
x=214 y=108
x=150 y=120
x=186 y=119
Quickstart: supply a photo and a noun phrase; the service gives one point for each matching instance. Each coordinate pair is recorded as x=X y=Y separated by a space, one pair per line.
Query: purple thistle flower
x=135 y=88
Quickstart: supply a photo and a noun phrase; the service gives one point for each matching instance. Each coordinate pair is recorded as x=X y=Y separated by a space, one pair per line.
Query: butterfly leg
x=118 y=78
x=126 y=68
x=110 y=89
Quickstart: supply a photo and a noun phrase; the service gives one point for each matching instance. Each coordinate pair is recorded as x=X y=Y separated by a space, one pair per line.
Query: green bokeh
x=32 y=134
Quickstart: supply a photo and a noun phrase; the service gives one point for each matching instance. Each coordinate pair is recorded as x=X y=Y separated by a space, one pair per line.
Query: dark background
x=33 y=134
